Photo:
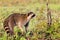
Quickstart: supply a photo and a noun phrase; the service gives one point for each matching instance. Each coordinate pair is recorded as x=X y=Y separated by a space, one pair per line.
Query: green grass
x=36 y=24
x=55 y=6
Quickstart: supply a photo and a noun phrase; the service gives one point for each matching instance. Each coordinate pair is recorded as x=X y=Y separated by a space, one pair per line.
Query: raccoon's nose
x=34 y=15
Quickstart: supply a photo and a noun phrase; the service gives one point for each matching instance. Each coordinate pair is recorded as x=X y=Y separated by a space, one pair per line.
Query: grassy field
x=37 y=25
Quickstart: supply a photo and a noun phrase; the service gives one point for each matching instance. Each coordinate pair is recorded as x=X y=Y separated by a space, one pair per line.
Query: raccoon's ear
x=30 y=13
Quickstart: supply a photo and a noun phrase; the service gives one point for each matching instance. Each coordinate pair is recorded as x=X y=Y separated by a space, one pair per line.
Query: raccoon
x=19 y=20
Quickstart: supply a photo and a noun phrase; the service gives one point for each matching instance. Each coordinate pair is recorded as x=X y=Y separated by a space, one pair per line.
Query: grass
x=37 y=24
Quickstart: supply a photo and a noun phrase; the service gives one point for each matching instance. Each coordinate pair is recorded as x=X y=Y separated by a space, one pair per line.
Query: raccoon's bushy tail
x=7 y=29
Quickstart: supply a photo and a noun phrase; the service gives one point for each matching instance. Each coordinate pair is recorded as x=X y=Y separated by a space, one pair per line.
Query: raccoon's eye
x=30 y=13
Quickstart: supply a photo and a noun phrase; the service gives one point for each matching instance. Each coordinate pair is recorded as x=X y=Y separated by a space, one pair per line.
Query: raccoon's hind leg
x=11 y=32
x=11 y=26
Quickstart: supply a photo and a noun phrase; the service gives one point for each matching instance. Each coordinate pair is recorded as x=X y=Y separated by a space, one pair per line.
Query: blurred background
x=38 y=25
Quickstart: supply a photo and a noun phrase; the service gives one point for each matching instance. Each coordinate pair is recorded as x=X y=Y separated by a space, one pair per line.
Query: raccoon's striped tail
x=7 y=29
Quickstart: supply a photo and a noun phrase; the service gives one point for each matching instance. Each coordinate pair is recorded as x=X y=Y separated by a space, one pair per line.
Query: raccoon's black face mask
x=31 y=13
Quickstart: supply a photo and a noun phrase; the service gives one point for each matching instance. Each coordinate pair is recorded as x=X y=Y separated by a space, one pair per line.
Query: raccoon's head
x=31 y=14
